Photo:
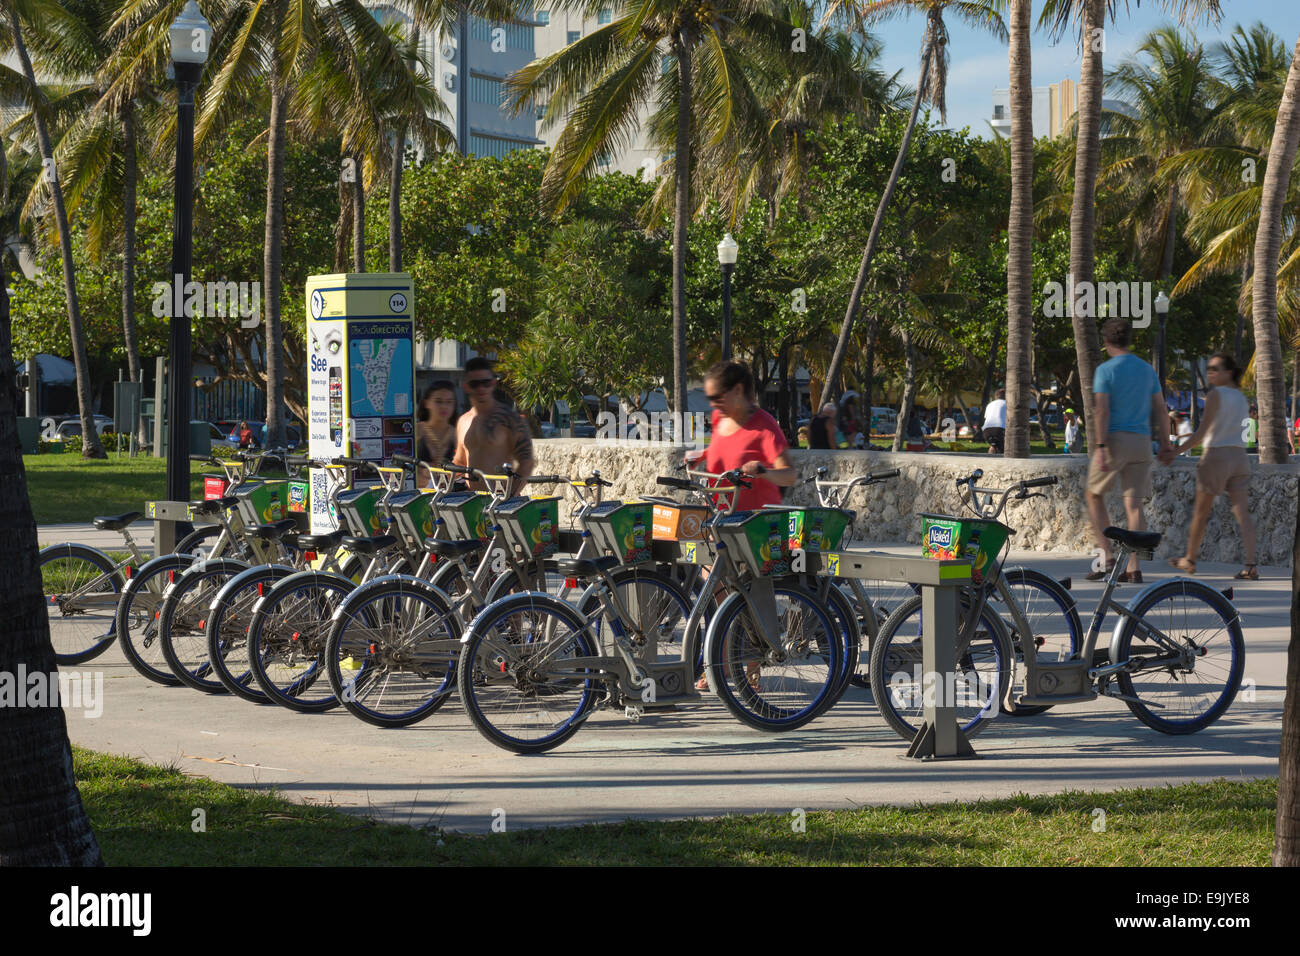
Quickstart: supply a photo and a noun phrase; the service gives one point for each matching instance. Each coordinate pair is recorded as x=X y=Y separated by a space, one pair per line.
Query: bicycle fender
x=409 y=580
x=535 y=595
x=304 y=575
x=278 y=571
x=1215 y=597
x=719 y=614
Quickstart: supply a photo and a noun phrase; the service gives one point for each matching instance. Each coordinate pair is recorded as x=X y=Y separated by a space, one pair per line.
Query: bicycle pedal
x=633 y=712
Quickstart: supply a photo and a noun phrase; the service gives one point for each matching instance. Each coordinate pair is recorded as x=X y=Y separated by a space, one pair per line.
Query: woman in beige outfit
x=1224 y=466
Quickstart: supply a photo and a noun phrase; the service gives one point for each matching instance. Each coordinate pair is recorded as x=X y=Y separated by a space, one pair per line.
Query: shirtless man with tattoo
x=490 y=433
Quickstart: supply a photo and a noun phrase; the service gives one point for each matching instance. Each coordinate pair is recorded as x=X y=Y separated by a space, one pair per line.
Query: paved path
x=695 y=761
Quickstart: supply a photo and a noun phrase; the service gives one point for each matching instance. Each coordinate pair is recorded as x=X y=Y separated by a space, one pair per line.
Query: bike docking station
x=940 y=582
x=360 y=376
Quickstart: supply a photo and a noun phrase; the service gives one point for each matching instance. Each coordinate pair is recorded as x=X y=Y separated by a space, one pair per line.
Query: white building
x=557 y=29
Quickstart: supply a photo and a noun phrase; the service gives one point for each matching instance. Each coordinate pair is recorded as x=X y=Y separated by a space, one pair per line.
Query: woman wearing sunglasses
x=746 y=437
x=1224 y=467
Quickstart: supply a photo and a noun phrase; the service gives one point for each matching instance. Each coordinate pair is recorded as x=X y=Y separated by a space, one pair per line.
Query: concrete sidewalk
x=695 y=761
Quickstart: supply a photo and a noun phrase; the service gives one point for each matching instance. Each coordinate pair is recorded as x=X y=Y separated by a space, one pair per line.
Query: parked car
x=70 y=428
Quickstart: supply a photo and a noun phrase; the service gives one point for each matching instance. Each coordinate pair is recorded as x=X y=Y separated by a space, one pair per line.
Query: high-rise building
x=557 y=29
x=470 y=66
x=1053 y=107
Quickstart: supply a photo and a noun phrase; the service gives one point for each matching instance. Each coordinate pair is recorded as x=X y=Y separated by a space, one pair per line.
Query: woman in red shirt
x=746 y=437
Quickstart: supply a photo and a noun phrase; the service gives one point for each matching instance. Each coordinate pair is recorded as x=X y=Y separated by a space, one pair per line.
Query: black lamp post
x=190 y=35
x=727 y=250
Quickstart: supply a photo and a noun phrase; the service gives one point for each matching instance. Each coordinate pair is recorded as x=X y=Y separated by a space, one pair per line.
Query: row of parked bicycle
x=423 y=593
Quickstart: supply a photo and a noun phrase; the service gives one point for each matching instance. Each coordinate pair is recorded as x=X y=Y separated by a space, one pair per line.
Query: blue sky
x=978 y=62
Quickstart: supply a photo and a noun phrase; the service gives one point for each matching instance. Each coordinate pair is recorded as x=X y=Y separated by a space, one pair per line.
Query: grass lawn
x=67 y=487
x=143 y=816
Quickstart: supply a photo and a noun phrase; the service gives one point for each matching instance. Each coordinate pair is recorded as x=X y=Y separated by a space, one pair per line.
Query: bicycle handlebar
x=1043 y=482
x=544 y=480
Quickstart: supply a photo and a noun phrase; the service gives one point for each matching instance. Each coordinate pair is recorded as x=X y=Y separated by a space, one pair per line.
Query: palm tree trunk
x=271 y=259
x=90 y=445
x=1166 y=270
x=1020 y=237
x=1268 y=242
x=1083 y=218
x=42 y=819
x=1237 y=352
x=860 y=283
x=909 y=392
x=130 y=175
x=343 y=228
x=395 y=202
x=359 y=216
x=681 y=218
x=130 y=169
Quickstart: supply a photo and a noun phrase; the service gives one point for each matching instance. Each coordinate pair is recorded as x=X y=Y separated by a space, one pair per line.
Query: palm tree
x=98 y=150
x=1090 y=16
x=600 y=83
x=280 y=40
x=1020 y=235
x=42 y=819
x=1170 y=87
x=1269 y=373
x=798 y=96
x=929 y=89
x=36 y=97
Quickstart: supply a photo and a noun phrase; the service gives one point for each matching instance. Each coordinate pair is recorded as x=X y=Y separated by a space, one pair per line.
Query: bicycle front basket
x=975 y=539
x=623 y=529
x=759 y=540
x=531 y=524
x=462 y=512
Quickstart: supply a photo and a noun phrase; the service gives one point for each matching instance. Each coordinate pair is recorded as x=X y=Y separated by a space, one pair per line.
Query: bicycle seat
x=1141 y=540
x=369 y=546
x=117 y=522
x=585 y=567
x=274 y=530
x=319 y=542
x=444 y=548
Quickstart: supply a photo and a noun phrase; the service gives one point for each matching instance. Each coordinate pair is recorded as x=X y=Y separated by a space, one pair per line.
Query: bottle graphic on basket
x=775 y=542
x=814 y=539
x=275 y=510
x=544 y=527
x=638 y=534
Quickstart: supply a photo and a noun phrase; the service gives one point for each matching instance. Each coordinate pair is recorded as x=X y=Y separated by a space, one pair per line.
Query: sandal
x=702 y=684
x=1100 y=575
x=1249 y=573
x=1186 y=565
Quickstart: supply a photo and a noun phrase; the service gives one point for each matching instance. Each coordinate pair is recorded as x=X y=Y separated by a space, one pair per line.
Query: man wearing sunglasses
x=491 y=433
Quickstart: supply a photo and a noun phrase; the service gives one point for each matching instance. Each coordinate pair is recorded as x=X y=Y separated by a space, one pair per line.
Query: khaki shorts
x=1129 y=461
x=1223 y=468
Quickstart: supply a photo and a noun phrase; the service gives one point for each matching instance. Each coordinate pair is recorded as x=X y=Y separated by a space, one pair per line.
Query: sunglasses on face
x=478 y=383
x=716 y=398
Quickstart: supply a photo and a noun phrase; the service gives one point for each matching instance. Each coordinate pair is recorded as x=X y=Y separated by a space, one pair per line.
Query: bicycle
x=188 y=603
x=136 y=618
x=533 y=668
x=1142 y=659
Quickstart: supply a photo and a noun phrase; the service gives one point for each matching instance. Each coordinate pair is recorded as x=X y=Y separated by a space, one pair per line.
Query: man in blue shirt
x=1126 y=396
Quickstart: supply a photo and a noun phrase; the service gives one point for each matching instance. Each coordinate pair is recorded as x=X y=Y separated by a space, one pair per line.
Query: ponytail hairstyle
x=730 y=374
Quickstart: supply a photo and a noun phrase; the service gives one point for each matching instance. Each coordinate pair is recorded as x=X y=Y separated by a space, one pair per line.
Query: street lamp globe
x=728 y=248
x=1162 y=303
x=190 y=35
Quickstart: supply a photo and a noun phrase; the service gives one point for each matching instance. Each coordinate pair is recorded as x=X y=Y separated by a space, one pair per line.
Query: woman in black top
x=436 y=426
x=821 y=430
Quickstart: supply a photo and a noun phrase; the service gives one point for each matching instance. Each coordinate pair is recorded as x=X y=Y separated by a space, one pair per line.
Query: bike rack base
x=923 y=747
